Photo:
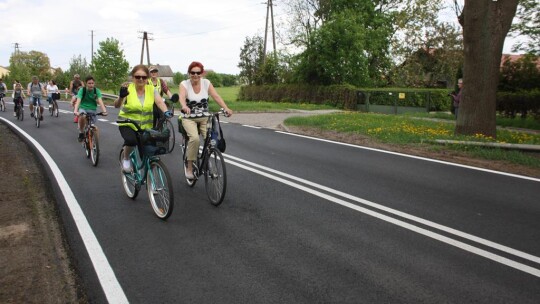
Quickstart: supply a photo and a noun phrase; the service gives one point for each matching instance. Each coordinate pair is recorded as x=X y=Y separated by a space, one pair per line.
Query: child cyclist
x=87 y=101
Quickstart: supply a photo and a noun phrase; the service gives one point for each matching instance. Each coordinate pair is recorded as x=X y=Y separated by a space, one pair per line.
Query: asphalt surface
x=304 y=221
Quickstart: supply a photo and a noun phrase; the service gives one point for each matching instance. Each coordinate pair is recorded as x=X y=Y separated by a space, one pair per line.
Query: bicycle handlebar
x=221 y=111
x=84 y=113
x=136 y=124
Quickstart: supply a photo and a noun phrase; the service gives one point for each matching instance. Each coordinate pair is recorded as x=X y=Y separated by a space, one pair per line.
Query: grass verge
x=406 y=130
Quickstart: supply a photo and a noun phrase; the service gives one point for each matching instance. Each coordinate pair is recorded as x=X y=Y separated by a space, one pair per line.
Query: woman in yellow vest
x=137 y=100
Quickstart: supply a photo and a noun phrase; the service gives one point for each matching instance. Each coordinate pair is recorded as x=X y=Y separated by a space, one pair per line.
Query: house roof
x=164 y=70
x=515 y=57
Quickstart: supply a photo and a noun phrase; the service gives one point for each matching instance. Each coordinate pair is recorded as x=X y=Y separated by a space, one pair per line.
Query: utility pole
x=16 y=51
x=92 y=35
x=269 y=11
x=145 y=40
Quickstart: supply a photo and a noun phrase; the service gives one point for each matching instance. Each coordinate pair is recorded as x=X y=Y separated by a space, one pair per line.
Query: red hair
x=195 y=64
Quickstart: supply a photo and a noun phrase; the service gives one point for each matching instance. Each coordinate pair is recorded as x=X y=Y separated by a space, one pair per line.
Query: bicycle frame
x=151 y=171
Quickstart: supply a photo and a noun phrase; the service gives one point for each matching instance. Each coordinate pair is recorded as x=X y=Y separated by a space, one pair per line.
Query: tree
x=109 y=68
x=251 y=59
x=19 y=70
x=214 y=78
x=349 y=46
x=485 y=26
x=522 y=74
x=178 y=78
x=528 y=25
x=23 y=65
x=229 y=80
x=78 y=65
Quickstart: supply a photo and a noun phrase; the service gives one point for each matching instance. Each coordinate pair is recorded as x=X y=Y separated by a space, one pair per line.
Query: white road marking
x=413 y=156
x=111 y=287
x=254 y=127
x=511 y=263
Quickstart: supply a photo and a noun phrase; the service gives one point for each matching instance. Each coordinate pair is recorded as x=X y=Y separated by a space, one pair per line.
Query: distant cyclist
x=74 y=87
x=35 y=91
x=52 y=88
x=18 y=97
x=161 y=86
x=87 y=101
x=3 y=87
x=194 y=94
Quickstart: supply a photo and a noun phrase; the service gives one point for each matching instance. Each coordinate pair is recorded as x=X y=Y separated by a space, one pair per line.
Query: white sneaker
x=14 y=114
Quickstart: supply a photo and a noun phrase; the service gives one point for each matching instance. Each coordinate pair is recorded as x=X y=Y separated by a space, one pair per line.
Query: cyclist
x=161 y=86
x=137 y=100
x=194 y=100
x=3 y=90
x=35 y=91
x=87 y=100
x=52 y=88
x=18 y=95
x=74 y=87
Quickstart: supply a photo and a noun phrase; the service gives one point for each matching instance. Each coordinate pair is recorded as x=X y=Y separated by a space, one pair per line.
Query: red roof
x=515 y=57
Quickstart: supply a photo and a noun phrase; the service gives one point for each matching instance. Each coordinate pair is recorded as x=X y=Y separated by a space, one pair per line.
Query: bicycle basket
x=155 y=142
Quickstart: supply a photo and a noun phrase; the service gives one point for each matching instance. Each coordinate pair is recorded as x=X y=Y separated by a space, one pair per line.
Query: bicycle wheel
x=55 y=107
x=21 y=112
x=2 y=105
x=215 y=177
x=86 y=143
x=160 y=191
x=37 y=116
x=94 y=146
x=51 y=109
x=129 y=180
x=171 y=136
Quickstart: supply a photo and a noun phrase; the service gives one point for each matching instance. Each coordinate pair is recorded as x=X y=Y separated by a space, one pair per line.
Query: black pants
x=129 y=135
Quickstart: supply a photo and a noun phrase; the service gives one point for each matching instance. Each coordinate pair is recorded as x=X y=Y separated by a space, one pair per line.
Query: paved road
x=304 y=221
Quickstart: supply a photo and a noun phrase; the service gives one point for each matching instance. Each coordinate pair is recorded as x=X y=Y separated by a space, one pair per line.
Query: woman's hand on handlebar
x=228 y=112
x=186 y=110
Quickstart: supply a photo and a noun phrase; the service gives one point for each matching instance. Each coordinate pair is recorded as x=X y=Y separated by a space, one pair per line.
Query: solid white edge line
x=433 y=235
x=413 y=156
x=111 y=287
x=431 y=224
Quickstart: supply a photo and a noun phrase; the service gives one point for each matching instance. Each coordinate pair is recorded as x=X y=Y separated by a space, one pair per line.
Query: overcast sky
x=209 y=31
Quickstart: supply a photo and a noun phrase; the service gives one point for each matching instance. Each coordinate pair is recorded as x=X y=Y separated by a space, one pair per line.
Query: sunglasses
x=140 y=77
x=195 y=73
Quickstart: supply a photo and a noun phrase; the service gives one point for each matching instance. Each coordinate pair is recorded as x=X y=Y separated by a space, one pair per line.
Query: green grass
x=527 y=123
x=406 y=130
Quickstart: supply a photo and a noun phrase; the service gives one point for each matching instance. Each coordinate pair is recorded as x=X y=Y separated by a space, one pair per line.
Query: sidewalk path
x=271 y=120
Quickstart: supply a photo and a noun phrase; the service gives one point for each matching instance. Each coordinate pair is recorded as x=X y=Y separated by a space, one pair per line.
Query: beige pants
x=194 y=127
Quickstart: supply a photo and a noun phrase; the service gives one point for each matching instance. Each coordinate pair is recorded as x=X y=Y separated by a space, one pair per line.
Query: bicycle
x=210 y=163
x=149 y=170
x=54 y=109
x=90 y=142
x=2 y=102
x=19 y=108
x=38 y=116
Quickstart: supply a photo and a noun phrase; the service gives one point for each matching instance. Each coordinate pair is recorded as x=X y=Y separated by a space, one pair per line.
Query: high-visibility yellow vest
x=157 y=86
x=132 y=109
